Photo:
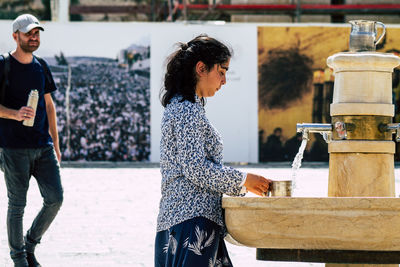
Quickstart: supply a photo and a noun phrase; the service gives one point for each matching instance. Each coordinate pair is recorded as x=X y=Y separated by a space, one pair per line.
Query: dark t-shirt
x=22 y=79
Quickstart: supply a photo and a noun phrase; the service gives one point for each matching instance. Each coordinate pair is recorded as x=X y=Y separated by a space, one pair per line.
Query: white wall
x=233 y=111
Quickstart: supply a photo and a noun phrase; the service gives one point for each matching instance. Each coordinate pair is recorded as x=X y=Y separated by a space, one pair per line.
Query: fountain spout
x=325 y=129
x=392 y=128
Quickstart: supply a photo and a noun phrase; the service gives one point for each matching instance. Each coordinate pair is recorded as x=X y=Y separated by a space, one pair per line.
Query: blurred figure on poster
x=28 y=149
x=261 y=145
x=190 y=224
x=319 y=149
x=273 y=148
x=292 y=146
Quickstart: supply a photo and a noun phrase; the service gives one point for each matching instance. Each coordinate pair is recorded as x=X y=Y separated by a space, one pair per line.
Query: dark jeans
x=18 y=166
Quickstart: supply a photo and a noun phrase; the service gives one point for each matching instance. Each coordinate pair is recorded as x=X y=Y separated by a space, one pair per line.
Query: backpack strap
x=4 y=78
x=4 y=82
x=45 y=68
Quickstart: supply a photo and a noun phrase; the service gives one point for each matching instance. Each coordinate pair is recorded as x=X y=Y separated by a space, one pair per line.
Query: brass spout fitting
x=392 y=128
x=325 y=129
x=341 y=129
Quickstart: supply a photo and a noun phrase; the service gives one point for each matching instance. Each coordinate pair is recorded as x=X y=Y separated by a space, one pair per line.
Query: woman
x=190 y=226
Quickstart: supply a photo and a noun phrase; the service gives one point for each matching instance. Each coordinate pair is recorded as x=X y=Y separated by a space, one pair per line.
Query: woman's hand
x=257 y=184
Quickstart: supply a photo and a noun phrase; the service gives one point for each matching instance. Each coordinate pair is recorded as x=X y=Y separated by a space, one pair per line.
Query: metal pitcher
x=363 y=35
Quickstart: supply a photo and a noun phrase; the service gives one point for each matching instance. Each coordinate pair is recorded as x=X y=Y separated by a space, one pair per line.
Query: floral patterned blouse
x=193 y=175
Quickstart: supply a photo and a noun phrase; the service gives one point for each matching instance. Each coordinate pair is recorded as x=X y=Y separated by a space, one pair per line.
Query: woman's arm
x=190 y=138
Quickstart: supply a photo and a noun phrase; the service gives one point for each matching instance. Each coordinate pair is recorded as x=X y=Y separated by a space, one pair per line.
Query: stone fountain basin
x=352 y=223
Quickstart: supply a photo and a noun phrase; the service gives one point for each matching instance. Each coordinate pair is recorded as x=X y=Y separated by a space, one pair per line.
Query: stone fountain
x=357 y=222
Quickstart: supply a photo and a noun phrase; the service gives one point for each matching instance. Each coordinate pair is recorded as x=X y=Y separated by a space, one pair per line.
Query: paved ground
x=109 y=214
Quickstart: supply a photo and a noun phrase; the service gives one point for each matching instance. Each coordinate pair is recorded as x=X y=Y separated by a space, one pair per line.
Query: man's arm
x=52 y=118
x=24 y=113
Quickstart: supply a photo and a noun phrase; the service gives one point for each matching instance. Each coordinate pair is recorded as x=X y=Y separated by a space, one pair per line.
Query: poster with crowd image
x=295 y=85
x=103 y=105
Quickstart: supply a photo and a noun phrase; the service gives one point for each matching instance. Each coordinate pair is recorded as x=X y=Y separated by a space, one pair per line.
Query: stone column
x=363 y=164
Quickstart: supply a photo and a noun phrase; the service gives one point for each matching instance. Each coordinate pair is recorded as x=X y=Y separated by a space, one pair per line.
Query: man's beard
x=28 y=48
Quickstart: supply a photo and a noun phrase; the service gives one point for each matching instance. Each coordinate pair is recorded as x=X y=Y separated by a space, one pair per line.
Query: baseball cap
x=26 y=22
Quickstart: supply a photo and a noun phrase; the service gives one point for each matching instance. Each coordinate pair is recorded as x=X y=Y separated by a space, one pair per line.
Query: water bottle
x=32 y=102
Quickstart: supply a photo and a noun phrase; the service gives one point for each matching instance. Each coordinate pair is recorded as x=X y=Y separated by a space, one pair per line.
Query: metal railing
x=186 y=7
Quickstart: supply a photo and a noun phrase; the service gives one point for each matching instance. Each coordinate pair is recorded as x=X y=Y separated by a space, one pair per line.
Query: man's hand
x=25 y=113
x=58 y=153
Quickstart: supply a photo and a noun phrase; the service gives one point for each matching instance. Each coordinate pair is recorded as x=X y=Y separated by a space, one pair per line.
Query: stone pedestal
x=361 y=169
x=363 y=164
x=357 y=222
x=358 y=265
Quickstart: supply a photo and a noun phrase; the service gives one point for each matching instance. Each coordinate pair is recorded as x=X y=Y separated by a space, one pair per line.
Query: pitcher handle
x=383 y=32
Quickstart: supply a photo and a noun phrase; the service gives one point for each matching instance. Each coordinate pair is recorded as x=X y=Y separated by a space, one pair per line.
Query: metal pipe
x=298 y=11
x=325 y=129
x=392 y=128
x=314 y=127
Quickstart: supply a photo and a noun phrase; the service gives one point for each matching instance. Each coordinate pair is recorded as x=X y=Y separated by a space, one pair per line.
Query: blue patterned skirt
x=197 y=242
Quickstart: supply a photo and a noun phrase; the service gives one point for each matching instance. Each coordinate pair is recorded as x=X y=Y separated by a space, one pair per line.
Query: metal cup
x=281 y=188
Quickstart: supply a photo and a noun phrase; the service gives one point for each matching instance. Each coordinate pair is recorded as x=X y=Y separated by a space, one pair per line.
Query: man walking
x=28 y=151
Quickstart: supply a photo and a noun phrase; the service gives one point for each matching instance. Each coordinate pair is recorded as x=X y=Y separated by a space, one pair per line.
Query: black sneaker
x=32 y=260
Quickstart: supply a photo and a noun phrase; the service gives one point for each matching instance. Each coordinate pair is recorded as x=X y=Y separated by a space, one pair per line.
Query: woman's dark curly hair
x=180 y=77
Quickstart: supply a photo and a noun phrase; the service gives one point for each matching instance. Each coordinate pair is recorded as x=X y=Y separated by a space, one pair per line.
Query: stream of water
x=297 y=162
